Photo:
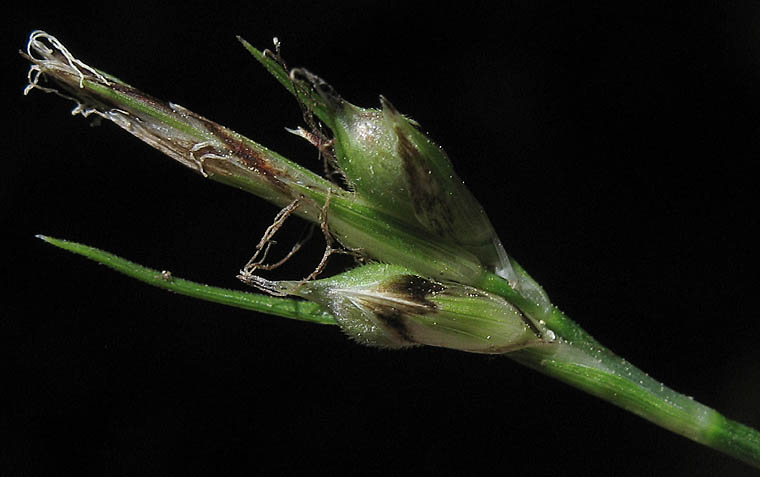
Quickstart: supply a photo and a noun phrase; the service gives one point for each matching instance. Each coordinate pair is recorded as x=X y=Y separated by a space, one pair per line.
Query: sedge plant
x=430 y=268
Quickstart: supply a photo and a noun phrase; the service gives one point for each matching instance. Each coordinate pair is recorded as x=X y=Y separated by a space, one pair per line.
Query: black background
x=613 y=147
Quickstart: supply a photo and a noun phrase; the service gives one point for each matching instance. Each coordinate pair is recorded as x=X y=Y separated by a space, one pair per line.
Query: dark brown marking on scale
x=423 y=189
x=412 y=289
x=252 y=159
x=415 y=289
x=393 y=318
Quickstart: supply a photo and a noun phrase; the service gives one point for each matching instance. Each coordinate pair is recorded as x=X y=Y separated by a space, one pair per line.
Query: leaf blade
x=278 y=306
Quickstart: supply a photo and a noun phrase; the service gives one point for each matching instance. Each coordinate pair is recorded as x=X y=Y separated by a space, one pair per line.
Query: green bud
x=389 y=306
x=395 y=168
x=398 y=170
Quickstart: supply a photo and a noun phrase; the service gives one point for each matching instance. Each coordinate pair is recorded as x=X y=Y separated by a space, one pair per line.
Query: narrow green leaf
x=279 y=306
x=304 y=94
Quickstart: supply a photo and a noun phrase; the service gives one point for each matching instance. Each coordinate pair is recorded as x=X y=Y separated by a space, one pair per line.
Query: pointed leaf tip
x=50 y=240
x=277 y=306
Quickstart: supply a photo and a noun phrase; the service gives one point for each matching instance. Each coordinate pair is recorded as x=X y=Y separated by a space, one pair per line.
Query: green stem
x=642 y=395
x=279 y=306
x=581 y=361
